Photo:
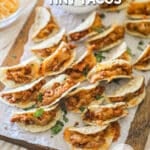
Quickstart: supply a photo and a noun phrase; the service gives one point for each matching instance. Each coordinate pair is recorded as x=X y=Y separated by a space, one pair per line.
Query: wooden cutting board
x=140 y=127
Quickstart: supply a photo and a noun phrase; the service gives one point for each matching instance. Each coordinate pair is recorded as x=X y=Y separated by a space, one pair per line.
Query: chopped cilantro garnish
x=85 y=71
x=99 y=30
x=98 y=97
x=57 y=127
x=141 y=42
x=102 y=15
x=140 y=48
x=40 y=97
x=129 y=51
x=33 y=106
x=39 y=112
x=99 y=56
x=65 y=118
x=82 y=108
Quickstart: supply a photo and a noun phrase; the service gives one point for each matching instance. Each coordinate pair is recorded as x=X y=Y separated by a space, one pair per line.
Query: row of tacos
x=55 y=55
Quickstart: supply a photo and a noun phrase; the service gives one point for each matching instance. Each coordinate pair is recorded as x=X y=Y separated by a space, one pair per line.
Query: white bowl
x=79 y=9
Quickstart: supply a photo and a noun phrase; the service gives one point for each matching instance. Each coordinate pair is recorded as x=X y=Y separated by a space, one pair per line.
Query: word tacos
x=87 y=28
x=48 y=46
x=25 y=96
x=79 y=70
x=143 y=62
x=56 y=89
x=104 y=114
x=114 y=7
x=132 y=93
x=37 y=120
x=59 y=61
x=139 y=9
x=108 y=39
x=44 y=25
x=139 y=28
x=91 y=137
x=83 y=96
x=109 y=70
x=20 y=74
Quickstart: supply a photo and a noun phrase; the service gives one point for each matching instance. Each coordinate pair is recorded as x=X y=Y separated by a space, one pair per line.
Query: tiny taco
x=44 y=25
x=122 y=52
x=104 y=114
x=132 y=93
x=83 y=96
x=139 y=9
x=53 y=91
x=108 y=39
x=139 y=28
x=37 y=120
x=86 y=28
x=109 y=70
x=79 y=70
x=114 y=7
x=59 y=61
x=24 y=96
x=48 y=46
x=143 y=62
x=91 y=137
x=20 y=74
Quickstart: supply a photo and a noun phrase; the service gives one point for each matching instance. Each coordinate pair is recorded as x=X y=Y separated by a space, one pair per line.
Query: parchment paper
x=69 y=21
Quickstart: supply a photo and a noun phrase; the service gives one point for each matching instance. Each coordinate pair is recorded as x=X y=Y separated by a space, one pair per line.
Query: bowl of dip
x=78 y=7
x=10 y=10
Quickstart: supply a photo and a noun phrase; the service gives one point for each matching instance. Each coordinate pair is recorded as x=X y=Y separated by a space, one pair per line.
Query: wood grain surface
x=140 y=126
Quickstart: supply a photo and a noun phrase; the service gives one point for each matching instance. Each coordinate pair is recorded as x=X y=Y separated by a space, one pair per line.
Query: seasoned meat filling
x=103 y=114
x=128 y=96
x=83 y=98
x=24 y=96
x=78 y=35
x=51 y=94
x=141 y=27
x=48 y=29
x=60 y=59
x=92 y=141
x=20 y=75
x=30 y=119
x=139 y=8
x=115 y=70
x=112 y=37
x=48 y=51
x=81 y=69
x=124 y=56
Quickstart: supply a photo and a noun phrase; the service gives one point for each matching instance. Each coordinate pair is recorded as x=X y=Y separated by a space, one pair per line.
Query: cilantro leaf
x=102 y=15
x=99 y=56
x=57 y=127
x=82 y=108
x=39 y=112
x=33 y=106
x=141 y=42
x=129 y=51
x=98 y=97
x=40 y=97
x=85 y=71
x=140 y=48
x=65 y=118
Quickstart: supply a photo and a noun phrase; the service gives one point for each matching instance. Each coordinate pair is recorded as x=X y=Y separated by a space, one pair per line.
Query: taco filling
x=49 y=95
x=116 y=34
x=24 y=96
x=139 y=27
x=142 y=8
x=83 y=98
x=31 y=118
x=102 y=114
x=78 y=35
x=81 y=69
x=48 y=51
x=46 y=31
x=114 y=70
x=93 y=141
x=129 y=96
x=20 y=75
